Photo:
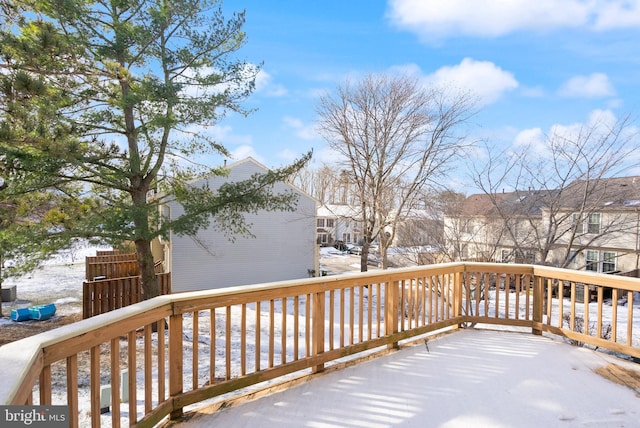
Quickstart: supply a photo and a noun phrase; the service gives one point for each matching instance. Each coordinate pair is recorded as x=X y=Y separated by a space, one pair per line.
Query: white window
x=329 y=222
x=578 y=223
x=573 y=258
x=608 y=262
x=592 y=260
x=320 y=222
x=346 y=237
x=594 y=223
x=504 y=256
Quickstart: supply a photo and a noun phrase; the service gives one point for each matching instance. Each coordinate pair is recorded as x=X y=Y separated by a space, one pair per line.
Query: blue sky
x=533 y=65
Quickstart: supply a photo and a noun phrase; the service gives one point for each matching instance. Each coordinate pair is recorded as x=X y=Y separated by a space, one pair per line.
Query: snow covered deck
x=477 y=378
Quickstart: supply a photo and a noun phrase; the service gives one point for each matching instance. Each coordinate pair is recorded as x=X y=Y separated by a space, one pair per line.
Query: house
x=338 y=223
x=474 y=232
x=587 y=225
x=604 y=237
x=283 y=246
x=413 y=244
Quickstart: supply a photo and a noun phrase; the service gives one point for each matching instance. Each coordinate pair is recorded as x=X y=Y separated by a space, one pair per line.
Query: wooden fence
x=107 y=295
x=223 y=340
x=111 y=266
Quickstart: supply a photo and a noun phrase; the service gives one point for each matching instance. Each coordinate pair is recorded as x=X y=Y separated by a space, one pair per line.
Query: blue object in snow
x=22 y=314
x=42 y=312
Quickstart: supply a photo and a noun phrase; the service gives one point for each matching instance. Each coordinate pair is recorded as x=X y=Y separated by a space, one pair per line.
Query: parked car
x=340 y=246
x=356 y=249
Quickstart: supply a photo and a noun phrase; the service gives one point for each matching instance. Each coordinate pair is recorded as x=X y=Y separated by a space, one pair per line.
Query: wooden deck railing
x=180 y=349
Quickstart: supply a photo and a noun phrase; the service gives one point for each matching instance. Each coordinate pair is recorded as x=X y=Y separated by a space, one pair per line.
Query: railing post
x=391 y=308
x=317 y=342
x=175 y=361
x=538 y=304
x=457 y=295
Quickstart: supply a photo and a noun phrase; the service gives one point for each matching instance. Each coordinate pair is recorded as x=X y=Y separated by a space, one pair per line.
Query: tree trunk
x=146 y=268
x=364 y=255
x=150 y=287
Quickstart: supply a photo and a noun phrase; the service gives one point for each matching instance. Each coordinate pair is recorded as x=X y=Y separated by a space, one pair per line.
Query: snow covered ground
x=60 y=282
x=472 y=378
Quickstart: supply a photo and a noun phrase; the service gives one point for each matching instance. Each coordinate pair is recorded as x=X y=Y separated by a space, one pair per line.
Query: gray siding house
x=283 y=247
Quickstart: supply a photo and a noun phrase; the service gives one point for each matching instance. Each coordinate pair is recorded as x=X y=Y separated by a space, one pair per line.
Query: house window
x=573 y=258
x=329 y=222
x=322 y=238
x=608 y=262
x=592 y=260
x=346 y=237
x=594 y=223
x=504 y=256
x=320 y=222
x=530 y=257
x=578 y=223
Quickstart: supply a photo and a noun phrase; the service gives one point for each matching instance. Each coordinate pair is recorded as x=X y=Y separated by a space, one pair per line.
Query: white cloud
x=436 y=19
x=596 y=128
x=593 y=86
x=225 y=135
x=288 y=155
x=264 y=84
x=483 y=79
x=528 y=137
x=618 y=14
x=243 y=152
x=302 y=130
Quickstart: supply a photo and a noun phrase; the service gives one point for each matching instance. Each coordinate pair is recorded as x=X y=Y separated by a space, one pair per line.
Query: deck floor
x=471 y=378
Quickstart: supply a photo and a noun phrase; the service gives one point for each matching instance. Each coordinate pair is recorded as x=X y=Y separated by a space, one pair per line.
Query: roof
x=338 y=211
x=604 y=193
x=482 y=204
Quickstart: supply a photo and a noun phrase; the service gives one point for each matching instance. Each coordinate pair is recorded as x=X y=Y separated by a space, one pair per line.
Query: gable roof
x=518 y=203
x=481 y=204
x=338 y=211
x=603 y=193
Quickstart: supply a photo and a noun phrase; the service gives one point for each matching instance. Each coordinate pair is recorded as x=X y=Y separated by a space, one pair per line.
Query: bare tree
x=396 y=138
x=329 y=185
x=558 y=186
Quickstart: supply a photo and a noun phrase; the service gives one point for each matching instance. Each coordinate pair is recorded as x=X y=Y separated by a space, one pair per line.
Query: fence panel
x=106 y=295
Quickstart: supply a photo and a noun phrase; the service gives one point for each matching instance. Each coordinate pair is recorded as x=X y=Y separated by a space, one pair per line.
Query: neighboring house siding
x=283 y=247
x=616 y=251
x=599 y=230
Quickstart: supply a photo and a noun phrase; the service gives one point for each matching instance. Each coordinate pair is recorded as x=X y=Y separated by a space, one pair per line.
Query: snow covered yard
x=58 y=281
x=65 y=273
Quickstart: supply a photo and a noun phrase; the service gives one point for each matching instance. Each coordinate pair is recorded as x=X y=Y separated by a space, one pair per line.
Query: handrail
x=198 y=345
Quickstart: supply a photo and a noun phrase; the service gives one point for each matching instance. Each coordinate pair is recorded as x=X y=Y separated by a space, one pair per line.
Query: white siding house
x=338 y=223
x=283 y=247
